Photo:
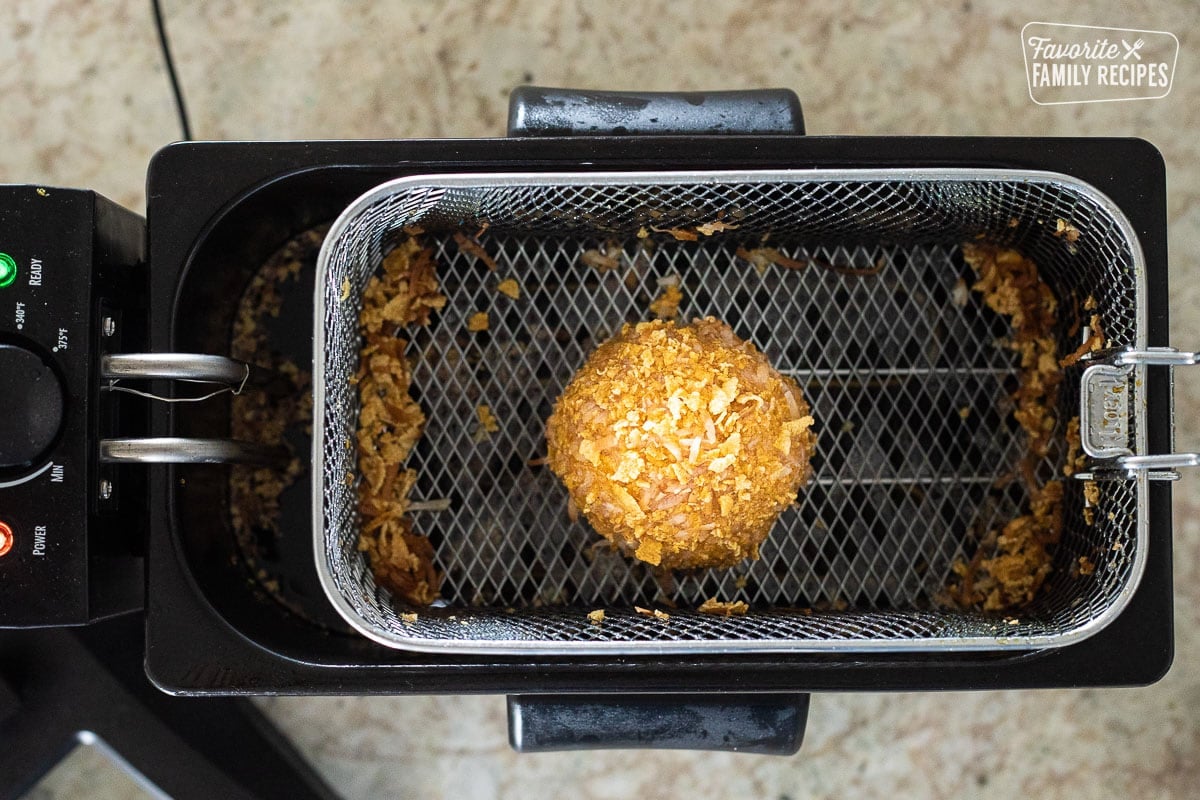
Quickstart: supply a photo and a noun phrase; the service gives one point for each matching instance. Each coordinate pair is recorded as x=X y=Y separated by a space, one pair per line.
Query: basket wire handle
x=1104 y=416
x=193 y=368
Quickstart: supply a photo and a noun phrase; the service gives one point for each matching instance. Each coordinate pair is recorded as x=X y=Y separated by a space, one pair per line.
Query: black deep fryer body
x=216 y=211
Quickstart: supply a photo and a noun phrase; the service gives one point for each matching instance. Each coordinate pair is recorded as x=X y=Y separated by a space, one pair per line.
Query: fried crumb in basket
x=652 y=612
x=471 y=246
x=723 y=609
x=1065 y=230
x=408 y=616
x=596 y=617
x=761 y=257
x=666 y=305
x=1010 y=565
x=488 y=424
x=1090 y=303
x=604 y=258
x=509 y=287
x=1086 y=567
x=478 y=322
x=1094 y=341
x=716 y=226
x=390 y=422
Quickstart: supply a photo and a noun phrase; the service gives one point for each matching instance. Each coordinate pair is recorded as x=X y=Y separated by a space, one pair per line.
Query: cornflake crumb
x=345 y=289
x=390 y=422
x=666 y=306
x=724 y=609
x=1011 y=564
x=1066 y=230
x=408 y=617
x=509 y=287
x=604 y=258
x=596 y=617
x=716 y=226
x=472 y=247
x=648 y=612
x=960 y=294
x=964 y=412
x=761 y=257
x=478 y=321
x=487 y=419
x=1086 y=567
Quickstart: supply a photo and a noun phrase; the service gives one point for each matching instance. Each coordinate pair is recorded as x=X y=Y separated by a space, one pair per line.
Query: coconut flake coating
x=681 y=444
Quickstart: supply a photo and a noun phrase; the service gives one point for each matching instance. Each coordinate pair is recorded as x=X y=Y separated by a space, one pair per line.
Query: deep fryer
x=217 y=210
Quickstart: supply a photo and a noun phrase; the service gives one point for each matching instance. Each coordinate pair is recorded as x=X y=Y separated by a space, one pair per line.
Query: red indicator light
x=6 y=539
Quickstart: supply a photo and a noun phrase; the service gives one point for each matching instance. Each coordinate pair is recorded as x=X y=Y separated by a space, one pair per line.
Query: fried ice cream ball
x=681 y=444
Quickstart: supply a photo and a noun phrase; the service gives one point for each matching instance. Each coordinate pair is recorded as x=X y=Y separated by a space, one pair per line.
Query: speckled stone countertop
x=86 y=103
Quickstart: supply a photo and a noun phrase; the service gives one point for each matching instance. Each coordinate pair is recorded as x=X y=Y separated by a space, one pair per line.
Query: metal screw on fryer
x=106 y=488
x=108 y=326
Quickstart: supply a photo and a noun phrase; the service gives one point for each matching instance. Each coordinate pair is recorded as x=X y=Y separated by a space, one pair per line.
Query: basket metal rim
x=391 y=639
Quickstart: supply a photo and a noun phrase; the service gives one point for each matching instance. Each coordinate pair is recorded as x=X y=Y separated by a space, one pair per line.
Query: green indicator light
x=8 y=270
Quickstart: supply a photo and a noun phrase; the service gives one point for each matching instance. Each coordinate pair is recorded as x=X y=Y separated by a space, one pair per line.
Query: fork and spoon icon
x=1132 y=49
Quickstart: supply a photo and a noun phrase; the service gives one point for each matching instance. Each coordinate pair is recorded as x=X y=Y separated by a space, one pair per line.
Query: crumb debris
x=390 y=422
x=408 y=617
x=964 y=412
x=666 y=305
x=678 y=234
x=960 y=294
x=716 y=226
x=345 y=295
x=478 y=322
x=652 y=612
x=723 y=609
x=509 y=288
x=1095 y=341
x=596 y=617
x=762 y=257
x=257 y=414
x=1086 y=567
x=604 y=258
x=1065 y=230
x=488 y=424
x=1011 y=564
x=471 y=246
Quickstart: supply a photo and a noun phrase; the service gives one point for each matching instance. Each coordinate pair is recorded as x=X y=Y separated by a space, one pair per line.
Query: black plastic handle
x=541 y=111
x=771 y=724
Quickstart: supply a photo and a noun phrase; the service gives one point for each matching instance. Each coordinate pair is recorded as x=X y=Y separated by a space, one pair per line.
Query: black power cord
x=166 y=51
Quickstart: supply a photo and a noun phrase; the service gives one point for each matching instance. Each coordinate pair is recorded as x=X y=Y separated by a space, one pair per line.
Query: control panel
x=61 y=251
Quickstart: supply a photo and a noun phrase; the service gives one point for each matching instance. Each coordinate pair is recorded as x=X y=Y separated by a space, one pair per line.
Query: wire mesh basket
x=907 y=379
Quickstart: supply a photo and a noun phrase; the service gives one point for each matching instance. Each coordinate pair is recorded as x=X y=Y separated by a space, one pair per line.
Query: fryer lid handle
x=769 y=724
x=542 y=111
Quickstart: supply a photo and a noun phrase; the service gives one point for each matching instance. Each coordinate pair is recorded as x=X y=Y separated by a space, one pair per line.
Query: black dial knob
x=31 y=411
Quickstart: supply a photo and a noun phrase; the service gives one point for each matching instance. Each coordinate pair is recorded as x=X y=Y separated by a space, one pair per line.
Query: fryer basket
x=876 y=331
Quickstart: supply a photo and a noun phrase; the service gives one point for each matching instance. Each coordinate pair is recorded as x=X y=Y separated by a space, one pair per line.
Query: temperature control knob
x=31 y=407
